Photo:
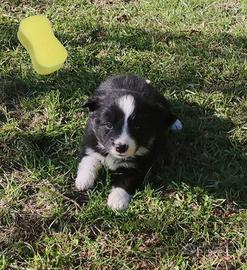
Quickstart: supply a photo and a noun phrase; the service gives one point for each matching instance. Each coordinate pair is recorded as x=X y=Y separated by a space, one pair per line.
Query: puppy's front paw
x=118 y=199
x=84 y=181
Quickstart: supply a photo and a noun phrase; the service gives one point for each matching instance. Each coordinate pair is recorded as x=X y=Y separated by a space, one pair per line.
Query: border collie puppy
x=126 y=131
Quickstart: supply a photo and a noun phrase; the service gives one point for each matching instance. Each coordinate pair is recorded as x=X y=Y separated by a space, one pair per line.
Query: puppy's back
x=129 y=82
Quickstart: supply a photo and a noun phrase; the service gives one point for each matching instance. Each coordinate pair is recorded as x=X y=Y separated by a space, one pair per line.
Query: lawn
x=193 y=215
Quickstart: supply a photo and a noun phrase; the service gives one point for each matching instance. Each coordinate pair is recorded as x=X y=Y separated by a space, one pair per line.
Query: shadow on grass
x=203 y=155
x=8 y=33
x=192 y=51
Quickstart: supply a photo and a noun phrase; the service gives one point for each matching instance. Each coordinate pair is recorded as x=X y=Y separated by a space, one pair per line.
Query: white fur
x=176 y=126
x=87 y=170
x=90 y=152
x=118 y=199
x=114 y=163
x=141 y=151
x=125 y=138
x=127 y=105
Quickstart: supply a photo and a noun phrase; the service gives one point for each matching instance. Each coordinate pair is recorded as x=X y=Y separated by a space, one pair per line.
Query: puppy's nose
x=121 y=148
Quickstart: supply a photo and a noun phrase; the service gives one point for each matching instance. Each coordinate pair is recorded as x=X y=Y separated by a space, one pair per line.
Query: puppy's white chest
x=111 y=162
x=115 y=163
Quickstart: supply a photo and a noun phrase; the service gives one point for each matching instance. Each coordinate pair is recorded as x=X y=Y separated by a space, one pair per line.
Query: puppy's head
x=128 y=125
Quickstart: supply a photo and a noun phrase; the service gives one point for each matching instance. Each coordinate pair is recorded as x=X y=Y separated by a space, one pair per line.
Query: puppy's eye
x=108 y=125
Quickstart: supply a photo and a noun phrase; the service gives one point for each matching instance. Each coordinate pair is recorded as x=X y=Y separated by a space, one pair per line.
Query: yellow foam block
x=46 y=51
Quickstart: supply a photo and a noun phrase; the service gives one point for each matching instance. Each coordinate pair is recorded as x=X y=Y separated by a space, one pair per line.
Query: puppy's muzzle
x=121 y=148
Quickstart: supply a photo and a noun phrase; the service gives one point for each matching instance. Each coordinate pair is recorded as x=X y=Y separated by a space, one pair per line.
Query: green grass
x=194 y=215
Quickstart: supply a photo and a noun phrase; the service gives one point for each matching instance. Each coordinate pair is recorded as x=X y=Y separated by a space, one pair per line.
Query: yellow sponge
x=46 y=52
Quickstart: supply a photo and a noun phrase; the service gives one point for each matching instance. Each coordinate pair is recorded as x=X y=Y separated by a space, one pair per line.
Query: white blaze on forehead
x=127 y=105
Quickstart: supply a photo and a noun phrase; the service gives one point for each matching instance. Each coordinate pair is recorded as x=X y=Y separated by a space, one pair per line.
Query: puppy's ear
x=92 y=104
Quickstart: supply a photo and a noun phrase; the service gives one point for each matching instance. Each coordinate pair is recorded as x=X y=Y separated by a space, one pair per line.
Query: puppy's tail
x=176 y=126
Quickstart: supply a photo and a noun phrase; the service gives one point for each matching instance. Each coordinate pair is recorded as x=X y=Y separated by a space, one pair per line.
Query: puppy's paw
x=118 y=199
x=84 y=181
x=176 y=126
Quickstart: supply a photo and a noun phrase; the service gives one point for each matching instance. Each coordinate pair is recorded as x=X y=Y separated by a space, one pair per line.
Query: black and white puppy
x=126 y=131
